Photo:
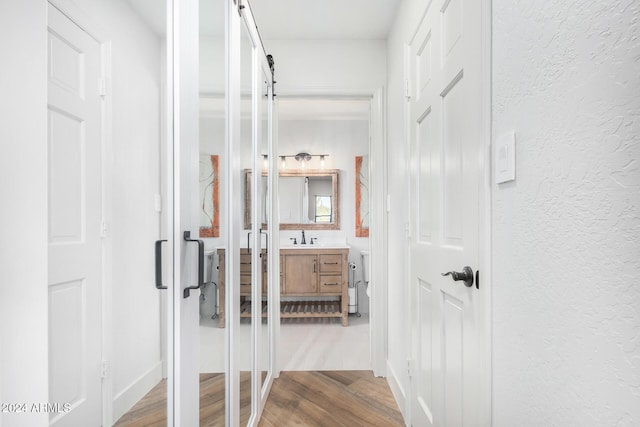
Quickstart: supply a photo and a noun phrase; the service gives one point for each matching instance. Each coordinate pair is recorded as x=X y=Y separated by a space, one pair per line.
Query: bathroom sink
x=316 y=246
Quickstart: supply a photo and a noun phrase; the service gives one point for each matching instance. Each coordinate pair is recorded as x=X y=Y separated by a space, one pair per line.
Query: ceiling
x=324 y=19
x=292 y=19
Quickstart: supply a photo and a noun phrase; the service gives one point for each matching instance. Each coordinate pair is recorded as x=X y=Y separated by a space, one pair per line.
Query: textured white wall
x=566 y=299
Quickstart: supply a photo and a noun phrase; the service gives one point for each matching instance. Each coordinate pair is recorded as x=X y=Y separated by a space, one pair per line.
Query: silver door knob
x=466 y=275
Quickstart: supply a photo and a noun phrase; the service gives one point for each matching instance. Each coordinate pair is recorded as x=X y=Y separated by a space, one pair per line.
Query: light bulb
x=303 y=164
x=283 y=164
x=265 y=162
x=321 y=162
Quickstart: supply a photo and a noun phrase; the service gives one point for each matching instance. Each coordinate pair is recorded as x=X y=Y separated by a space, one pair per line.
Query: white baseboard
x=124 y=400
x=398 y=391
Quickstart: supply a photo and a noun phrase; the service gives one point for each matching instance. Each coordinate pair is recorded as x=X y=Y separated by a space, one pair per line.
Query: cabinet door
x=301 y=274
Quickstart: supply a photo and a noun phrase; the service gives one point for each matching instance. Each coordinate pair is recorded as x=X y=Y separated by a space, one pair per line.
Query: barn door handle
x=159 y=284
x=466 y=275
x=187 y=238
x=266 y=233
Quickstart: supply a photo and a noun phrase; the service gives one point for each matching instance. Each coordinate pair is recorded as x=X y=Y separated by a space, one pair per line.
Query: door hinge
x=407 y=89
x=102 y=87
x=105 y=370
x=409 y=374
x=104 y=229
x=407 y=230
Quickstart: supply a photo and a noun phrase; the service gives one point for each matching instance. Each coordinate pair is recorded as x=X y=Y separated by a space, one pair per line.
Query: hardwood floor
x=151 y=410
x=298 y=398
x=331 y=399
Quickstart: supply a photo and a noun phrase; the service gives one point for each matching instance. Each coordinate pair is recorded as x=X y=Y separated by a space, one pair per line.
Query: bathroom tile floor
x=305 y=345
x=321 y=346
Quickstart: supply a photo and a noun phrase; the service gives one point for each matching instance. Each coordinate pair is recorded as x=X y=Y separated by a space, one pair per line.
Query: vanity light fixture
x=303 y=158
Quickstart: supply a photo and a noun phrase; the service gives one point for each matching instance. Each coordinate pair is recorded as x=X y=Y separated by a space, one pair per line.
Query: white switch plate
x=505 y=158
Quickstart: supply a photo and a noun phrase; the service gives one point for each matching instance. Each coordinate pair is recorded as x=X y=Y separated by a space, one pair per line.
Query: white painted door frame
x=485 y=220
x=233 y=185
x=186 y=307
x=378 y=241
x=238 y=21
x=378 y=235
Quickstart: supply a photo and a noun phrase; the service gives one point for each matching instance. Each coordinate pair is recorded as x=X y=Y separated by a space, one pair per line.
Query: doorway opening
x=335 y=133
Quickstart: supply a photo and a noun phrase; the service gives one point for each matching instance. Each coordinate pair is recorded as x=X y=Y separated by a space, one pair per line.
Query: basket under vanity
x=316 y=276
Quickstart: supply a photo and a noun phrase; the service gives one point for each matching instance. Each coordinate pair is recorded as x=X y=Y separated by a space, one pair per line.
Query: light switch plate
x=505 y=158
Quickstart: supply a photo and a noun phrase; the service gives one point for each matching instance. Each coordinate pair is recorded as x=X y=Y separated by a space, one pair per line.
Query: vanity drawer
x=330 y=264
x=245 y=263
x=330 y=284
x=245 y=283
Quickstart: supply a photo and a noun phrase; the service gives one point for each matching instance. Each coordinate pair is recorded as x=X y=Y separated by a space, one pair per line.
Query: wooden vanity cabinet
x=315 y=272
x=300 y=274
x=308 y=272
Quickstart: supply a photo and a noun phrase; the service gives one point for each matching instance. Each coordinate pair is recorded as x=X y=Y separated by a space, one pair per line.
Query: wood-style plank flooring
x=298 y=398
x=331 y=399
x=151 y=410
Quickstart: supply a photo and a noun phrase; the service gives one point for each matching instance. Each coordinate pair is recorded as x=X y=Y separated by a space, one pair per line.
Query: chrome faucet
x=304 y=240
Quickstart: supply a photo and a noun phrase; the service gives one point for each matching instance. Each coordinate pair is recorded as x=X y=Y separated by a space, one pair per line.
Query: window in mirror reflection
x=323 y=209
x=209 y=203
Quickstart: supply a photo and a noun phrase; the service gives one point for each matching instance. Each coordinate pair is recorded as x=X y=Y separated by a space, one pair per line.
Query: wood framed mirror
x=309 y=199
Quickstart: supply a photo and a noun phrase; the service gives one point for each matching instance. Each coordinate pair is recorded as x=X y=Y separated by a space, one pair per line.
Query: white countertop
x=315 y=246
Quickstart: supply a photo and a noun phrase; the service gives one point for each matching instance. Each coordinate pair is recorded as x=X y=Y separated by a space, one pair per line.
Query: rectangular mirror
x=309 y=200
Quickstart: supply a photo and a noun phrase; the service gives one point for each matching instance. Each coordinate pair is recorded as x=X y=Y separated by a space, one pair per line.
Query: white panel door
x=446 y=149
x=75 y=212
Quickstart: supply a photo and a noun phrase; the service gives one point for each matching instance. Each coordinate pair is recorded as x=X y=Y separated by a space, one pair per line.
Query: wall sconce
x=303 y=158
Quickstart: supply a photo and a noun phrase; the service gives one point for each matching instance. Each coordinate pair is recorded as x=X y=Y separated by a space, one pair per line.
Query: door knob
x=466 y=275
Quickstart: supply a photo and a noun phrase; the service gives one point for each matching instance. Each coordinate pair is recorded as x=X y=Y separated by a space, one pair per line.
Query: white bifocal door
x=188 y=249
x=75 y=214
x=446 y=152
